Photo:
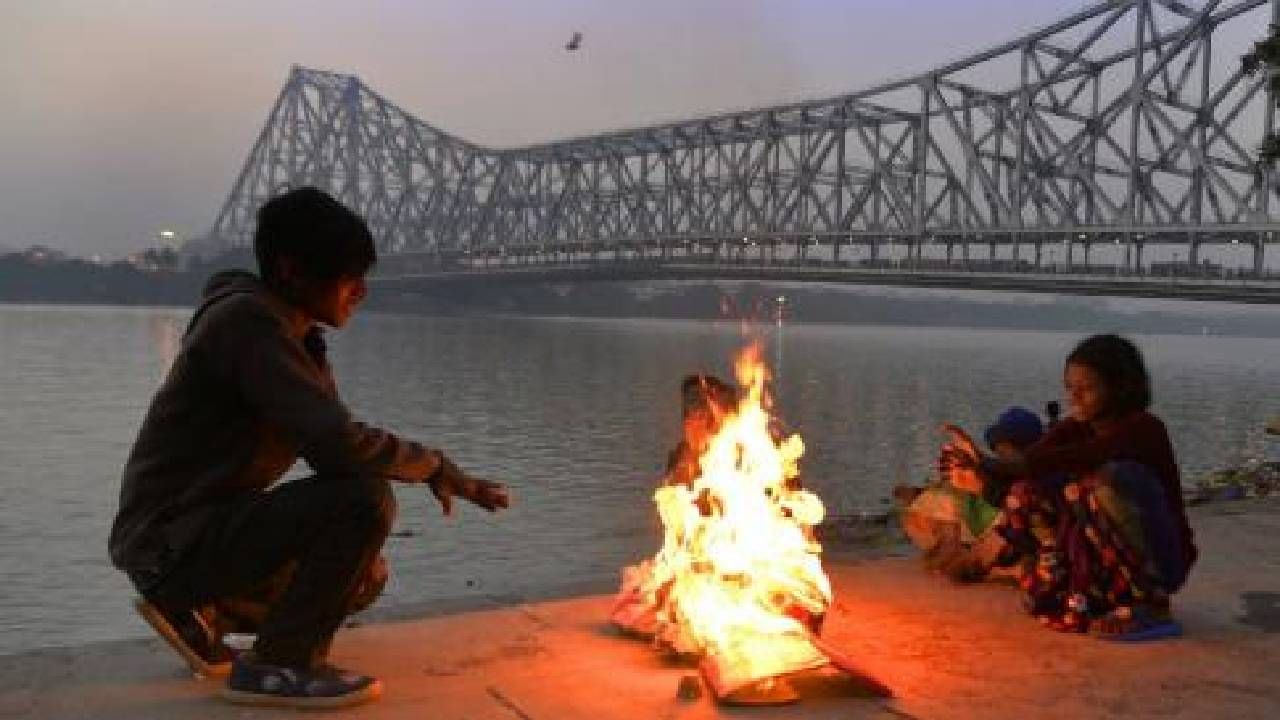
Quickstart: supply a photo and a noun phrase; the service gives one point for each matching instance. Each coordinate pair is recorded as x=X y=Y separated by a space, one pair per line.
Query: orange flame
x=739 y=578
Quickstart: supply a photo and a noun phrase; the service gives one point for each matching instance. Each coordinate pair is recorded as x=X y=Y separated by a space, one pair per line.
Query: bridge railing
x=754 y=255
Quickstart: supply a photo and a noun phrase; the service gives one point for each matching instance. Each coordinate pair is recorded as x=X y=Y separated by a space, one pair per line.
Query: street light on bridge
x=167 y=238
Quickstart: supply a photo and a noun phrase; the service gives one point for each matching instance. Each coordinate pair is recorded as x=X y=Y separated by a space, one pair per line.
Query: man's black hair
x=323 y=238
x=1119 y=363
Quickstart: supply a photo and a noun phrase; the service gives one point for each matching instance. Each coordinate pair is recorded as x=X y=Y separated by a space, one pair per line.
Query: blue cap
x=1017 y=425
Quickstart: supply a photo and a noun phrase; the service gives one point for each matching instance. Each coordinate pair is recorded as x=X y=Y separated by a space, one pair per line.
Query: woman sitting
x=1096 y=505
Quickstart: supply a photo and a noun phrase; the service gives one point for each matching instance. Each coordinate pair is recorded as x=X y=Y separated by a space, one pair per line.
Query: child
x=1106 y=479
x=954 y=528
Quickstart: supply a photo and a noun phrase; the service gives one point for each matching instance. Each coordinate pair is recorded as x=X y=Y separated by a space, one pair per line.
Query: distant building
x=155 y=259
x=40 y=254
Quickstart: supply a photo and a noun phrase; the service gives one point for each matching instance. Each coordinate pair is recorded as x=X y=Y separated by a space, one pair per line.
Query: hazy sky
x=122 y=117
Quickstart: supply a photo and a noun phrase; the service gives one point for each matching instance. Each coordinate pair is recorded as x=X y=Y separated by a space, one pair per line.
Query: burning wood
x=738 y=581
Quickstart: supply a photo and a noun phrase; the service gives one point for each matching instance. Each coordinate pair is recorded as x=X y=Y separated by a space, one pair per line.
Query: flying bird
x=574 y=43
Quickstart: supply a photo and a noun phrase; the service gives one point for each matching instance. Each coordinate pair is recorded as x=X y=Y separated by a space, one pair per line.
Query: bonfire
x=738 y=583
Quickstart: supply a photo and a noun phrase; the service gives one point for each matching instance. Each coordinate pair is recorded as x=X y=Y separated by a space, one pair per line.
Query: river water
x=575 y=415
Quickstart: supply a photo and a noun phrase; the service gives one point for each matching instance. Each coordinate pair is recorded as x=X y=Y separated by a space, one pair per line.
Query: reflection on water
x=576 y=416
x=166 y=336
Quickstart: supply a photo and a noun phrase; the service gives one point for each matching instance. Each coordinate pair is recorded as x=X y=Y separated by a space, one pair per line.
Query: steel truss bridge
x=1119 y=141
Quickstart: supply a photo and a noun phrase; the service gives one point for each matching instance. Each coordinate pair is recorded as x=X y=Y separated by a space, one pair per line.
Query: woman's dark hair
x=1119 y=363
x=323 y=238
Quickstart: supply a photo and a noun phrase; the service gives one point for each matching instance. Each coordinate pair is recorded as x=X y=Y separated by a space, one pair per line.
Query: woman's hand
x=961 y=442
x=958 y=461
x=958 y=470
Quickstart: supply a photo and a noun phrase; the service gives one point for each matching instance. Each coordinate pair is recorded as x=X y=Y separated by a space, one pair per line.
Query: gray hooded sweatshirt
x=248 y=393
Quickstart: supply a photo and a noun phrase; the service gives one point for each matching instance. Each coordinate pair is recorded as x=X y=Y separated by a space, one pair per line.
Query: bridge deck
x=1242 y=290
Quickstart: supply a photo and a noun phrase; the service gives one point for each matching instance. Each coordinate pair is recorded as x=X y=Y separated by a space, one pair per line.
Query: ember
x=738 y=581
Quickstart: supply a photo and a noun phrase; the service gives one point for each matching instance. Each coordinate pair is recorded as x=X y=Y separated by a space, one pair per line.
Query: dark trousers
x=290 y=563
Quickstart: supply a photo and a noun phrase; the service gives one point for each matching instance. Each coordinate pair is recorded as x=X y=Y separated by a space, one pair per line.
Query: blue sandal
x=1125 y=624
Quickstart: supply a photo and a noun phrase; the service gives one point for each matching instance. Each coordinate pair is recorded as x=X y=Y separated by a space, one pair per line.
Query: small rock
x=690 y=688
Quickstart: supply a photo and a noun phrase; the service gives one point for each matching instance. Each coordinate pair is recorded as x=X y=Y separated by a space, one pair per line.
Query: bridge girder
x=1125 y=117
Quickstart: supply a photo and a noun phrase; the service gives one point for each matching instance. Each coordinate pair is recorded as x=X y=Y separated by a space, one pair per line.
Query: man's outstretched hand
x=491 y=496
x=452 y=482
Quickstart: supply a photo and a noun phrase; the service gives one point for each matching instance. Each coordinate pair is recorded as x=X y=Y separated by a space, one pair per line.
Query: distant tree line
x=152 y=277
x=35 y=278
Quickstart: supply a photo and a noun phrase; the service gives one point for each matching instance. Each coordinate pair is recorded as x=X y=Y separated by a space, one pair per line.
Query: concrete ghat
x=949 y=652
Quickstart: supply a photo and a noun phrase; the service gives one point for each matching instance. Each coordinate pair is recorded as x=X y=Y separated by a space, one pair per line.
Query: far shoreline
x=1196 y=321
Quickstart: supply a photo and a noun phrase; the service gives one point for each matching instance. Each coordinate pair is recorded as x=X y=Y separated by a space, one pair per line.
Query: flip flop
x=1146 y=631
x=1142 y=627
x=201 y=667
